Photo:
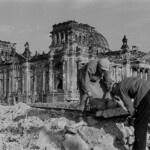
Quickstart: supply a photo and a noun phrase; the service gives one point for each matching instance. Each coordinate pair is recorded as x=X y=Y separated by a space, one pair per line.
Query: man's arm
x=127 y=101
x=120 y=102
x=107 y=80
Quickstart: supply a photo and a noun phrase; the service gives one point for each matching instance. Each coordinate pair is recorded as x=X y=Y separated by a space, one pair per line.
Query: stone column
x=35 y=82
x=64 y=75
x=44 y=81
x=78 y=64
x=146 y=72
x=13 y=82
x=5 y=81
x=68 y=77
x=27 y=78
x=59 y=37
x=34 y=98
x=9 y=88
x=23 y=79
x=12 y=78
x=26 y=81
x=75 y=75
x=128 y=70
x=64 y=36
x=29 y=84
x=141 y=73
x=55 y=39
x=50 y=75
x=72 y=74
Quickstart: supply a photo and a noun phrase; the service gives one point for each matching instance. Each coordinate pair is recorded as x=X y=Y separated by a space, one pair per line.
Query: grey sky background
x=31 y=21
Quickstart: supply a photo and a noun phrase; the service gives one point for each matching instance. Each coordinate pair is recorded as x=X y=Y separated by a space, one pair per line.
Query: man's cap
x=104 y=64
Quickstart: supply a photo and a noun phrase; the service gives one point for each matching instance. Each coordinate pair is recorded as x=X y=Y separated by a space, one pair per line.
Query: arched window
x=62 y=37
x=57 y=37
x=80 y=38
x=76 y=37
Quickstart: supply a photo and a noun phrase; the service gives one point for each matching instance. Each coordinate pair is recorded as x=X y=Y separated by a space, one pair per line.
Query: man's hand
x=120 y=103
x=89 y=94
x=82 y=108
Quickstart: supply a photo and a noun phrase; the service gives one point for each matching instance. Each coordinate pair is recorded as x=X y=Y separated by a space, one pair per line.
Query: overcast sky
x=31 y=21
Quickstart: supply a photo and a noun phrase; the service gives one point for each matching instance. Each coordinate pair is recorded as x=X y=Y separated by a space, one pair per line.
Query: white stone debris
x=26 y=128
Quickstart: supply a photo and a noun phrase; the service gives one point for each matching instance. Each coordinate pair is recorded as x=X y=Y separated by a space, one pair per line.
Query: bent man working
x=93 y=71
x=139 y=109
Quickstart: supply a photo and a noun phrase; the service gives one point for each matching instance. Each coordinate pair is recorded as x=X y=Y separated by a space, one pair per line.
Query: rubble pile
x=26 y=128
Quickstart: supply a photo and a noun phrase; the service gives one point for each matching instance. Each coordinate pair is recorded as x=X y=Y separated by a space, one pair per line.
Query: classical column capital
x=4 y=70
x=146 y=70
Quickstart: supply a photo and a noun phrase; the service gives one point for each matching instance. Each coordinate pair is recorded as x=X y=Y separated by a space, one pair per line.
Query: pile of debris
x=26 y=128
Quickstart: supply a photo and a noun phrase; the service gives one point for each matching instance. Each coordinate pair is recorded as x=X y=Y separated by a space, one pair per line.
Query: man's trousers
x=141 y=123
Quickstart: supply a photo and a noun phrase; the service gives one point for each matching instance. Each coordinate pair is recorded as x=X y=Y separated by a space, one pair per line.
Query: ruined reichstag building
x=52 y=76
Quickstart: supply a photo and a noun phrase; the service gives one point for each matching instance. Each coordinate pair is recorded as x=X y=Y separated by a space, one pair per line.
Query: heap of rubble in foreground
x=26 y=128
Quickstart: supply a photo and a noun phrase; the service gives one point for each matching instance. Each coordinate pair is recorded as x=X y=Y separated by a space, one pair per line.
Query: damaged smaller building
x=128 y=62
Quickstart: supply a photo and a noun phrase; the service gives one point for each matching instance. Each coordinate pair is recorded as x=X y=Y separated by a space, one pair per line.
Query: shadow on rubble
x=109 y=127
x=48 y=114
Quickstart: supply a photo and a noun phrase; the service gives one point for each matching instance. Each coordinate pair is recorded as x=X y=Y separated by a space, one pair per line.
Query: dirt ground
x=26 y=128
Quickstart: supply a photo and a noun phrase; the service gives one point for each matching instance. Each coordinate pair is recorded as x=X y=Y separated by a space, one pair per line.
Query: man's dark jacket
x=132 y=88
x=91 y=72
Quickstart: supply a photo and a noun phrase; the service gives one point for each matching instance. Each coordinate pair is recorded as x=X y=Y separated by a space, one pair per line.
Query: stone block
x=99 y=113
x=105 y=114
x=112 y=104
x=120 y=111
x=129 y=131
x=67 y=136
x=70 y=129
x=75 y=143
x=43 y=138
x=98 y=148
x=130 y=140
x=91 y=121
x=123 y=134
x=111 y=112
x=61 y=124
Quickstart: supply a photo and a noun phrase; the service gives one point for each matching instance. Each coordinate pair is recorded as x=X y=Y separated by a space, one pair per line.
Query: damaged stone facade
x=73 y=45
x=128 y=62
x=52 y=76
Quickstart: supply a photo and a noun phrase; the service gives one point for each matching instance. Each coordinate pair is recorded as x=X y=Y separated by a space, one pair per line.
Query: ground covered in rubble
x=26 y=128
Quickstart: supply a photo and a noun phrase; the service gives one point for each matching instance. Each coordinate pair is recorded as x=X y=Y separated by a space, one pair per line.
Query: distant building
x=52 y=76
x=129 y=62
